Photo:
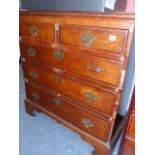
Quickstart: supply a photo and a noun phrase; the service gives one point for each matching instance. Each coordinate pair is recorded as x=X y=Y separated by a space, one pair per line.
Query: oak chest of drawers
x=74 y=67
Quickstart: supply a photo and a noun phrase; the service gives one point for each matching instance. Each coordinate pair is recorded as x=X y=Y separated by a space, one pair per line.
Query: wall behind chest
x=80 y=5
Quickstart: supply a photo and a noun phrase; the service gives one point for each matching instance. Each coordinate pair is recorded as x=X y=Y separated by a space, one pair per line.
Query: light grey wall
x=77 y=5
x=129 y=80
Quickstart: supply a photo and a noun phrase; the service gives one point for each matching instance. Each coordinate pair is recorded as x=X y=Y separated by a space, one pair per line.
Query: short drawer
x=104 y=70
x=93 y=97
x=40 y=32
x=69 y=112
x=106 y=39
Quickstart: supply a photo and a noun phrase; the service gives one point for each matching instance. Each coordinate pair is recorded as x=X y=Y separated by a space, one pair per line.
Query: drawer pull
x=36 y=96
x=31 y=51
x=34 y=31
x=87 y=123
x=58 y=79
x=58 y=55
x=33 y=74
x=87 y=38
x=90 y=96
x=58 y=101
x=94 y=67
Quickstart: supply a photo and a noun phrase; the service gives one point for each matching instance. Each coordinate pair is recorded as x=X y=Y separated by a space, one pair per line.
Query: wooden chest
x=74 y=67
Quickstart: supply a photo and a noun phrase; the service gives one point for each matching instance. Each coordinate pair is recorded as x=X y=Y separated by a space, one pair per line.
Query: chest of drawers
x=74 y=67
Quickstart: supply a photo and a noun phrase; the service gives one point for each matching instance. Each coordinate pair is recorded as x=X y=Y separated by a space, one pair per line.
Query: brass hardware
x=26 y=80
x=31 y=51
x=58 y=55
x=34 y=30
x=87 y=38
x=58 y=78
x=20 y=38
x=36 y=96
x=33 y=113
x=58 y=71
x=122 y=58
x=122 y=78
x=110 y=118
x=33 y=74
x=131 y=29
x=114 y=115
x=58 y=101
x=94 y=67
x=23 y=59
x=116 y=90
x=90 y=96
x=112 y=37
x=87 y=123
x=116 y=103
x=57 y=26
x=53 y=45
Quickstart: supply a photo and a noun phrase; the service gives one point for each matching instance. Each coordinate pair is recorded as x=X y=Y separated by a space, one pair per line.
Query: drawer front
x=106 y=39
x=93 y=67
x=79 y=91
x=39 y=32
x=69 y=112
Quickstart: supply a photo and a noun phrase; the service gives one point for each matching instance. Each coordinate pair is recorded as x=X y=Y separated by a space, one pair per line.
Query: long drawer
x=99 y=38
x=37 y=31
x=71 y=113
x=94 y=67
x=94 y=97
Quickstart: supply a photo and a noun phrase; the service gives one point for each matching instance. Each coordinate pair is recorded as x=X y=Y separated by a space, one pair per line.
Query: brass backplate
x=90 y=96
x=34 y=30
x=87 y=123
x=31 y=51
x=35 y=96
x=87 y=38
x=58 y=55
x=33 y=74
x=58 y=101
x=95 y=67
x=58 y=79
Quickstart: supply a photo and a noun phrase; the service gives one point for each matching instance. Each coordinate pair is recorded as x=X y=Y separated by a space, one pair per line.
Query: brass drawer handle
x=58 y=55
x=87 y=123
x=34 y=31
x=31 y=51
x=94 y=67
x=33 y=74
x=58 y=79
x=87 y=38
x=58 y=101
x=35 y=96
x=90 y=96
